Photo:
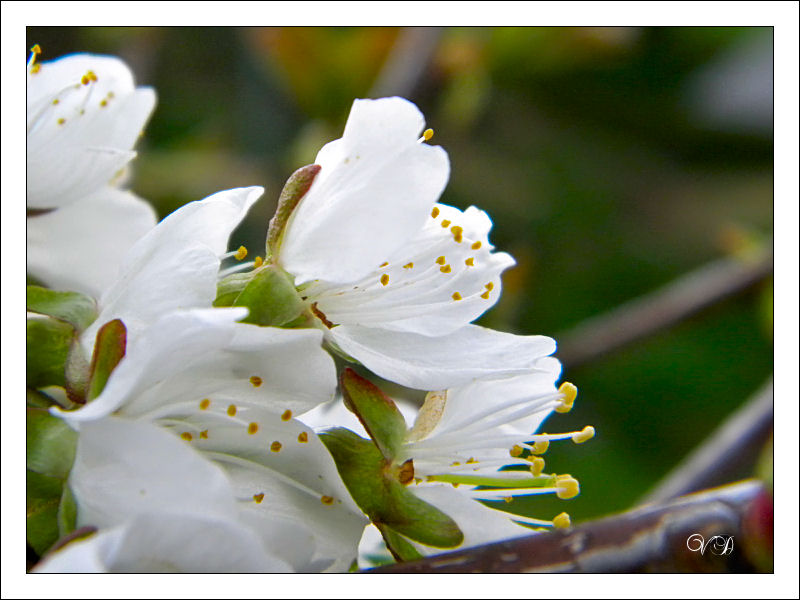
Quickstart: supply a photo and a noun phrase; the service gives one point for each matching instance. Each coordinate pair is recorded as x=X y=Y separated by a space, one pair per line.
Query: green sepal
x=43 y=496
x=67 y=512
x=49 y=444
x=373 y=484
x=398 y=545
x=271 y=298
x=377 y=412
x=77 y=371
x=71 y=307
x=109 y=348
x=229 y=288
x=293 y=191
x=38 y=399
x=47 y=343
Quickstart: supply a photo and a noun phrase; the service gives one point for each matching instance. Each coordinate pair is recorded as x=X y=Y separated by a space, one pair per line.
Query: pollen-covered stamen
x=287 y=415
x=426 y=135
x=569 y=392
x=252 y=428
x=456 y=296
x=584 y=435
x=567 y=487
x=275 y=446
x=33 y=66
x=561 y=521
x=385 y=279
x=537 y=465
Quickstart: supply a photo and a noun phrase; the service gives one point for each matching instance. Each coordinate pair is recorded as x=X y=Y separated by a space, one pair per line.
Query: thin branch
x=662 y=308
x=407 y=62
x=653 y=538
x=730 y=445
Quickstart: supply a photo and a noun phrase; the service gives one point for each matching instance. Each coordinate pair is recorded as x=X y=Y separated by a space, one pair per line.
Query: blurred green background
x=611 y=160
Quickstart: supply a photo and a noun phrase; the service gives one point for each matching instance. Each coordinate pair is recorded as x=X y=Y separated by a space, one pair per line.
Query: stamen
x=232 y=410
x=427 y=134
x=470 y=262
x=386 y=264
x=204 y=434
x=258 y=498
x=409 y=266
x=537 y=465
x=303 y=438
x=241 y=253
x=540 y=447
x=34 y=67
x=456 y=296
x=441 y=260
x=240 y=267
x=435 y=212
x=445 y=223
x=489 y=286
x=328 y=500
x=385 y=279
x=584 y=435
x=287 y=414
x=205 y=403
x=186 y=436
x=476 y=245
x=275 y=446
x=567 y=487
x=561 y=521
x=252 y=428
x=445 y=269
x=256 y=381
x=485 y=295
x=570 y=392
x=258 y=262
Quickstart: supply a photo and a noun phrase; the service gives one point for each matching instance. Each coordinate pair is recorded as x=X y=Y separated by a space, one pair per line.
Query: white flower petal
x=375 y=189
x=80 y=247
x=80 y=135
x=175 y=264
x=437 y=363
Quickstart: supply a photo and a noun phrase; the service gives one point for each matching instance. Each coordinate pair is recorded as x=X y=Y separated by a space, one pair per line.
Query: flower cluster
x=190 y=416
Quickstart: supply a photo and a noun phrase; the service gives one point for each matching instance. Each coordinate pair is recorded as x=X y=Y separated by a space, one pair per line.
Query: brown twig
x=406 y=62
x=662 y=308
x=652 y=538
x=723 y=451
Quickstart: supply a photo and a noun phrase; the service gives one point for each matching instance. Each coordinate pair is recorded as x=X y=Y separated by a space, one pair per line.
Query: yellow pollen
x=446 y=223
x=37 y=49
x=445 y=269
x=204 y=434
x=456 y=296
x=485 y=295
x=232 y=410
x=427 y=134
x=258 y=262
x=409 y=266
x=561 y=521
x=540 y=447
x=537 y=465
x=252 y=428
x=256 y=381
x=441 y=260
x=476 y=245
x=205 y=403
x=186 y=436
x=516 y=451
x=258 y=498
x=327 y=500
x=508 y=499
x=86 y=79
x=489 y=286
x=240 y=253
x=55 y=101
x=470 y=262
x=458 y=238
x=61 y=121
x=435 y=212
x=303 y=438
x=584 y=435
x=287 y=414
x=35 y=68
x=275 y=446
x=471 y=461
x=567 y=488
x=93 y=77
x=455 y=463
x=104 y=102
x=385 y=279
x=386 y=264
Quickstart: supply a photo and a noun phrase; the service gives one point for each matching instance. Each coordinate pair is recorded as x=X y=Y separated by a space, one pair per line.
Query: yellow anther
x=476 y=245
x=508 y=499
x=584 y=435
x=204 y=434
x=569 y=391
x=103 y=102
x=256 y=381
x=470 y=262
x=435 y=212
x=327 y=500
x=471 y=460
x=258 y=262
x=385 y=279
x=258 y=498
x=561 y=521
x=61 y=121
x=93 y=77
x=458 y=238
x=240 y=253
x=409 y=266
x=456 y=296
x=55 y=101
x=485 y=295
x=540 y=447
x=489 y=286
x=232 y=410
x=427 y=134
x=516 y=451
x=455 y=463
x=186 y=436
x=386 y=264
x=35 y=68
x=567 y=487
x=205 y=403
x=537 y=465
x=441 y=260
x=275 y=446
x=252 y=428
x=86 y=79
x=287 y=414
x=36 y=49
x=446 y=223
x=445 y=268
x=303 y=437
